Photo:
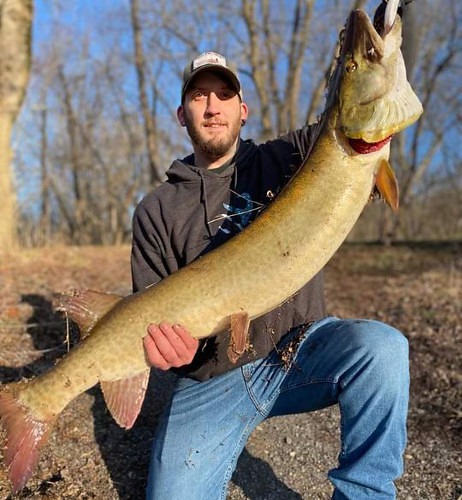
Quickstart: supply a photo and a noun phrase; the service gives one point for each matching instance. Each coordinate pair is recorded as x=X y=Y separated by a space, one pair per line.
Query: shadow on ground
x=47 y=329
x=126 y=453
x=257 y=480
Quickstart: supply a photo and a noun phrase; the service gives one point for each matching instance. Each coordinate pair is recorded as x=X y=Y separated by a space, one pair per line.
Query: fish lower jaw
x=360 y=148
x=378 y=135
x=363 y=147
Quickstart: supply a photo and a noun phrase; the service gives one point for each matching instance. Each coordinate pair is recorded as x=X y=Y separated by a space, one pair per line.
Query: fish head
x=374 y=97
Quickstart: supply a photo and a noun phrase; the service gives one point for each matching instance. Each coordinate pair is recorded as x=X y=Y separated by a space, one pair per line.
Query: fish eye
x=350 y=66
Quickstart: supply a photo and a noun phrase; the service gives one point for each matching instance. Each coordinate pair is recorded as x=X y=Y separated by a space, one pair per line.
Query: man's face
x=212 y=113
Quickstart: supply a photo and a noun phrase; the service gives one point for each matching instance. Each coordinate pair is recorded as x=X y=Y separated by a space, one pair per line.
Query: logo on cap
x=208 y=58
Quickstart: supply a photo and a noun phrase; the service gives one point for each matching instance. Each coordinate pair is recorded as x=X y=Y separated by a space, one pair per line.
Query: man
x=362 y=365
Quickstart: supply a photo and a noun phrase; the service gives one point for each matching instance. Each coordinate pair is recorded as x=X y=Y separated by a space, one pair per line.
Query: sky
x=72 y=18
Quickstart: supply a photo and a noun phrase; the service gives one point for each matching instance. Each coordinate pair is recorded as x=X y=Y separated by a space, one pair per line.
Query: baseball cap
x=214 y=62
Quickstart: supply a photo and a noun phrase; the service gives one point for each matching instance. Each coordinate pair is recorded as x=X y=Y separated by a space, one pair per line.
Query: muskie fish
x=369 y=99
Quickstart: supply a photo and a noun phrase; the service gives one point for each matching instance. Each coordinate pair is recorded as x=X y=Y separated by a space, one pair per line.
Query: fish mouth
x=375 y=98
x=362 y=147
x=361 y=39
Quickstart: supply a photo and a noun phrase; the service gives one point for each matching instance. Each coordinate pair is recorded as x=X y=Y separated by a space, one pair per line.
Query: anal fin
x=240 y=323
x=125 y=397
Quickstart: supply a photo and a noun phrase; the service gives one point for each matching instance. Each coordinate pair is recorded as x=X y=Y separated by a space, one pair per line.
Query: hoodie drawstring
x=204 y=201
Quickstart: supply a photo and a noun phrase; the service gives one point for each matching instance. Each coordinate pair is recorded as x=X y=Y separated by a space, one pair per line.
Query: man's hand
x=169 y=346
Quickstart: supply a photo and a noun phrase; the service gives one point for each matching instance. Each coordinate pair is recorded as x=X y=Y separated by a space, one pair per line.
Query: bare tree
x=148 y=118
x=15 y=59
x=108 y=128
x=433 y=35
x=45 y=209
x=263 y=58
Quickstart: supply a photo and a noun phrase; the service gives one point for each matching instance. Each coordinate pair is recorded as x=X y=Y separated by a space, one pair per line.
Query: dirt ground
x=416 y=288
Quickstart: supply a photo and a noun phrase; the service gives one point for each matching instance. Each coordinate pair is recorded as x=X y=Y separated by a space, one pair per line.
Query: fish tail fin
x=25 y=436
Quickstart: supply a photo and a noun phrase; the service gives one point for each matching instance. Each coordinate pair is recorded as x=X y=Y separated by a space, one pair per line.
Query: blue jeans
x=360 y=364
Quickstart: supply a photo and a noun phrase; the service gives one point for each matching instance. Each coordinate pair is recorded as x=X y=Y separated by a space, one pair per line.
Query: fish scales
x=277 y=249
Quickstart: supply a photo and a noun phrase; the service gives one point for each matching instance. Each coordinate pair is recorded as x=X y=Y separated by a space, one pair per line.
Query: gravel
x=417 y=289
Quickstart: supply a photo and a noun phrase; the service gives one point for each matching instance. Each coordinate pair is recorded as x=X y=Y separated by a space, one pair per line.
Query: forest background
x=97 y=128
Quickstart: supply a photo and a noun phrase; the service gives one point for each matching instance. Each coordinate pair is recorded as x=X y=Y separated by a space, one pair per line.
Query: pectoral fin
x=124 y=398
x=387 y=184
x=239 y=335
x=86 y=307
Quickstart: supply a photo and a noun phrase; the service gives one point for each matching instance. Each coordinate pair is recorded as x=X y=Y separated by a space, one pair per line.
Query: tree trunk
x=79 y=229
x=149 y=123
x=300 y=31
x=45 y=226
x=8 y=240
x=15 y=56
x=258 y=69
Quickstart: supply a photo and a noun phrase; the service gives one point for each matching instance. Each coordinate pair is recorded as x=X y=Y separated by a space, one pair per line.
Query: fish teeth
x=390 y=15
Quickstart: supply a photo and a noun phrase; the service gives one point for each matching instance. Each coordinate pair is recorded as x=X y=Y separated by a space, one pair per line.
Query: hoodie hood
x=184 y=172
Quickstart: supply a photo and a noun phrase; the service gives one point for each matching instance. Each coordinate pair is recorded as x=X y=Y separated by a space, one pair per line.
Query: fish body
x=254 y=272
x=368 y=100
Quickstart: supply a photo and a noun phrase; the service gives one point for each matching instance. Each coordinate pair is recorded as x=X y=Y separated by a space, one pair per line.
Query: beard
x=215 y=147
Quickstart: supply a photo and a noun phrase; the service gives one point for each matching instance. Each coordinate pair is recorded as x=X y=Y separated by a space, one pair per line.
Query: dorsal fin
x=86 y=307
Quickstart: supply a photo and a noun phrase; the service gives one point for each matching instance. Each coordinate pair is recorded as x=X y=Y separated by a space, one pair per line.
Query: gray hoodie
x=196 y=210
